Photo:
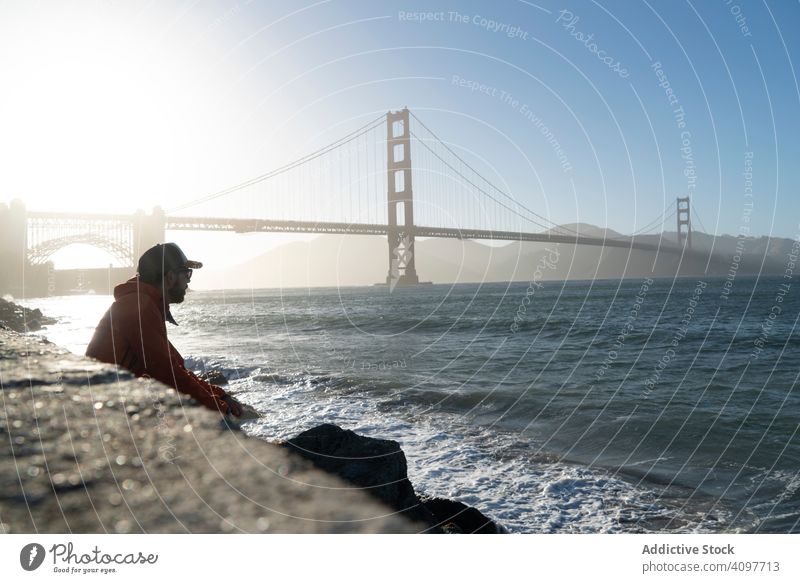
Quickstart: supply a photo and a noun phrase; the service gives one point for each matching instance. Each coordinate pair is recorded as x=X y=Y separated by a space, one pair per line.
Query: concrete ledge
x=85 y=448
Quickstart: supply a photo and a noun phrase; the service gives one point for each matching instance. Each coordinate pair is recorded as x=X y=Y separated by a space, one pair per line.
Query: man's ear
x=169 y=279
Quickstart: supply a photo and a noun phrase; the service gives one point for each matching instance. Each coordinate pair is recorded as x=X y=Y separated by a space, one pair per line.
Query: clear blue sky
x=162 y=102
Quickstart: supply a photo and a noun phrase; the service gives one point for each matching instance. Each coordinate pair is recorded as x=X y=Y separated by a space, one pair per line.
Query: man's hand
x=234 y=406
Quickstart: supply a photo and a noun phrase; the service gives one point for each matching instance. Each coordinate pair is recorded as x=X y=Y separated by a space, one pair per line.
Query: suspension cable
x=654 y=224
x=694 y=212
x=496 y=188
x=492 y=185
x=446 y=163
x=286 y=167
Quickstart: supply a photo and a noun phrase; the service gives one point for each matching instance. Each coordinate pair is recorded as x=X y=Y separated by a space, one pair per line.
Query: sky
x=597 y=112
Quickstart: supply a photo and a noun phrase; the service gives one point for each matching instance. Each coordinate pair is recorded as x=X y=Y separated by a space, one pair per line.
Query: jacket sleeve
x=162 y=362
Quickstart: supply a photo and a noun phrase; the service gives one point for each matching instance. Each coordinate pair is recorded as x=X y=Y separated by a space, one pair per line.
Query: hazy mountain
x=341 y=260
x=586 y=230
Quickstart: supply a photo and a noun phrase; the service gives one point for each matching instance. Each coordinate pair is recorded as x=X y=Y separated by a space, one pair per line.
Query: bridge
x=363 y=183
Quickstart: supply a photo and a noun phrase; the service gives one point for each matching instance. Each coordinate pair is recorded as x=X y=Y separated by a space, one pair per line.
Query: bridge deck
x=252 y=226
x=270 y=226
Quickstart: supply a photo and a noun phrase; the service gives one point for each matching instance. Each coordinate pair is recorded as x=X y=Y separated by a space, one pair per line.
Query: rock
x=214 y=377
x=21 y=319
x=376 y=465
x=457 y=517
x=379 y=466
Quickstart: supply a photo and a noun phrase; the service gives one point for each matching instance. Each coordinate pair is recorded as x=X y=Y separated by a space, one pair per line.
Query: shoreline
x=91 y=449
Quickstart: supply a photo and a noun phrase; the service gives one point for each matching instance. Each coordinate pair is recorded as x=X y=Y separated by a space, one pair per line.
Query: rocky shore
x=20 y=319
x=88 y=448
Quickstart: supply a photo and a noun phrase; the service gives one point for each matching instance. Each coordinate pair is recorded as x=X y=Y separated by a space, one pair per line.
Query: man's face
x=177 y=281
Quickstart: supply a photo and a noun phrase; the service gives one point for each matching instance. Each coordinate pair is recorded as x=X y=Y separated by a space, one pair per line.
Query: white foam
x=448 y=460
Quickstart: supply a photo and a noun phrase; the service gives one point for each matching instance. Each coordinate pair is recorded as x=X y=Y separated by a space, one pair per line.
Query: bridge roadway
x=274 y=226
x=255 y=225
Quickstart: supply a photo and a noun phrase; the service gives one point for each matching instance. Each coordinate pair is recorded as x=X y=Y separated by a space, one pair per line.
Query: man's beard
x=175 y=294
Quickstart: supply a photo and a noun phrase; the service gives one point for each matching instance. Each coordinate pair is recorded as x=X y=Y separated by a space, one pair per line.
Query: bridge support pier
x=402 y=270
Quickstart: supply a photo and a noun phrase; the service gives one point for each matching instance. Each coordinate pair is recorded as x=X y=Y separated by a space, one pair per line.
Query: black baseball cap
x=162 y=258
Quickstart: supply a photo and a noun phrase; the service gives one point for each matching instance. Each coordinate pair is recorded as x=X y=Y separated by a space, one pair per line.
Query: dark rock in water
x=21 y=319
x=379 y=465
x=457 y=517
x=214 y=377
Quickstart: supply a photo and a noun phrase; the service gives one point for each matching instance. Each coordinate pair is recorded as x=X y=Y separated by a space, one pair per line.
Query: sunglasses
x=185 y=270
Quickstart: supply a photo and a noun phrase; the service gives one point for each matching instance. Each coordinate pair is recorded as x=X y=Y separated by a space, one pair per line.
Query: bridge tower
x=148 y=230
x=13 y=247
x=684 y=219
x=402 y=270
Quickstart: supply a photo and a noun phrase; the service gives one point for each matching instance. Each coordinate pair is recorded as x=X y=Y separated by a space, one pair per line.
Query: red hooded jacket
x=133 y=335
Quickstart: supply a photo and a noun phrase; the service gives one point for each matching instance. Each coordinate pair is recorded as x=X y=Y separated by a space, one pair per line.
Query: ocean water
x=666 y=405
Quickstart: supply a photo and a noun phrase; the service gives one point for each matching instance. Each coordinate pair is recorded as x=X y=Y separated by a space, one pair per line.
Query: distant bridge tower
x=401 y=204
x=684 y=219
x=13 y=243
x=148 y=230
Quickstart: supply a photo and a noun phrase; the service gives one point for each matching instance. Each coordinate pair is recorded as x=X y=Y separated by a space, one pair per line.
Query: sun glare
x=114 y=107
x=96 y=115
x=82 y=256
x=79 y=117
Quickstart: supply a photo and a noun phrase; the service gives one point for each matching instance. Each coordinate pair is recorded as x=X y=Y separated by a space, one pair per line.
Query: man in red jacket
x=133 y=332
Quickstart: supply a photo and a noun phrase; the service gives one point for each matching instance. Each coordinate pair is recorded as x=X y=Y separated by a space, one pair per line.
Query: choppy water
x=604 y=406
